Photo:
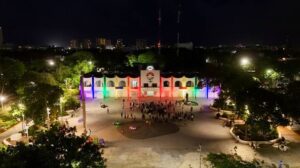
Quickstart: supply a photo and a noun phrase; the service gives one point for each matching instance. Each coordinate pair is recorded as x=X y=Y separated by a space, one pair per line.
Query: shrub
x=224 y=115
x=72 y=104
x=221 y=160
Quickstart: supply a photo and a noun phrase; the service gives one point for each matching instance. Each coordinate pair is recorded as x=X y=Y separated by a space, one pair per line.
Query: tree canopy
x=11 y=71
x=57 y=147
x=38 y=97
x=221 y=160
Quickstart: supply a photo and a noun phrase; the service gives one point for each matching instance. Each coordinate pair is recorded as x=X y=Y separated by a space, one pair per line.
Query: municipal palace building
x=148 y=83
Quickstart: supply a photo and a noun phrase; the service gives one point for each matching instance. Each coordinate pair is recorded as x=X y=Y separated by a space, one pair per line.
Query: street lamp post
x=2 y=99
x=83 y=103
x=199 y=149
x=60 y=106
x=22 y=108
x=22 y=122
x=48 y=117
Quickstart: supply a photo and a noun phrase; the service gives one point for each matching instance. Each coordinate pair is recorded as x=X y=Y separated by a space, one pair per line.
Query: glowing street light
x=90 y=62
x=245 y=61
x=2 y=100
x=51 y=62
x=269 y=71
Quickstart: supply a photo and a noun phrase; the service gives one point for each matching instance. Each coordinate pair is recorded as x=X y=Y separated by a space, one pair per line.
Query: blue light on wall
x=93 y=89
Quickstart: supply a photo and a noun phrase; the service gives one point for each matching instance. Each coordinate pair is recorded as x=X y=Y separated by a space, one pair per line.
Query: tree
x=291 y=100
x=79 y=56
x=147 y=58
x=143 y=58
x=271 y=77
x=132 y=59
x=264 y=105
x=57 y=147
x=17 y=110
x=38 y=97
x=72 y=103
x=11 y=71
x=40 y=77
x=80 y=62
x=221 y=160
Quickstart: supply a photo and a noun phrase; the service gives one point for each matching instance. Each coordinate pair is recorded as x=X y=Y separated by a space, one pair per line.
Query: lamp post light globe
x=51 y=62
x=245 y=61
x=2 y=98
x=269 y=71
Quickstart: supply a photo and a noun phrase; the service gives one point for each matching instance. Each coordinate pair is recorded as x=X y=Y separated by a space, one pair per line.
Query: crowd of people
x=158 y=111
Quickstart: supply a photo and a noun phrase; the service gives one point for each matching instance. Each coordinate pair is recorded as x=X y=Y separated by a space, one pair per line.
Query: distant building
x=108 y=42
x=140 y=44
x=120 y=44
x=74 y=44
x=109 y=45
x=87 y=44
x=188 y=45
x=1 y=37
x=101 y=42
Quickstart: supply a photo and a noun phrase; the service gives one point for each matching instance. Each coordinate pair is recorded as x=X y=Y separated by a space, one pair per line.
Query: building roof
x=137 y=74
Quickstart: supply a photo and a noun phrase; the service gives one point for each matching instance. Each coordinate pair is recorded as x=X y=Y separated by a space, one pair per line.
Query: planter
x=269 y=142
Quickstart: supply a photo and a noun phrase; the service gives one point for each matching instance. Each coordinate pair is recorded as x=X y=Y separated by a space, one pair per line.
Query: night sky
x=205 y=22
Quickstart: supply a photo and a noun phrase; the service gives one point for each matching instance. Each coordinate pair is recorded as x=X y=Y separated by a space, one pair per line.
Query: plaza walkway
x=289 y=134
x=177 y=150
x=15 y=129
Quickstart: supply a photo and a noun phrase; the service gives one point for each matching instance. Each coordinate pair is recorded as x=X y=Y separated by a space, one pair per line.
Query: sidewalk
x=18 y=127
x=15 y=129
x=288 y=134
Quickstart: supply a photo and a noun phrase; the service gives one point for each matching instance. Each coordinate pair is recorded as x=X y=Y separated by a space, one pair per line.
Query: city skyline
x=202 y=22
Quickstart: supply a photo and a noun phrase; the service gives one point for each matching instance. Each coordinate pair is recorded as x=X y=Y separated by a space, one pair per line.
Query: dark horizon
x=202 y=22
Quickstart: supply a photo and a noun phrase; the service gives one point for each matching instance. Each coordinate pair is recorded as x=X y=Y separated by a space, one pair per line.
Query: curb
x=270 y=142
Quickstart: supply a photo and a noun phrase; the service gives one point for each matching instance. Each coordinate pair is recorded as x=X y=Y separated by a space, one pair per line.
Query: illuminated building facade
x=87 y=44
x=148 y=83
x=101 y=42
x=73 y=44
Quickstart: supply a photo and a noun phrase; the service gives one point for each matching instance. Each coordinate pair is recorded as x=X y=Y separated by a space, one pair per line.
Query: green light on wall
x=104 y=87
x=195 y=88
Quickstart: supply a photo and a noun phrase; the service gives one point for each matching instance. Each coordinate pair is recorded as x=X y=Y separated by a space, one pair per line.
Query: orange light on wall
x=172 y=86
x=128 y=87
x=139 y=87
x=160 y=87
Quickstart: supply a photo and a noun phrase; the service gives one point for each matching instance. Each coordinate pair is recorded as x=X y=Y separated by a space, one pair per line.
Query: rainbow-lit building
x=148 y=83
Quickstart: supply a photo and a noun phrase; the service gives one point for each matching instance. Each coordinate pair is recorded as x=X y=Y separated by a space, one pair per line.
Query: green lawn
x=6 y=121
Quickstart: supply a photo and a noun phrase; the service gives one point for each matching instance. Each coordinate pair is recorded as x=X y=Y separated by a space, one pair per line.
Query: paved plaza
x=172 y=150
x=177 y=149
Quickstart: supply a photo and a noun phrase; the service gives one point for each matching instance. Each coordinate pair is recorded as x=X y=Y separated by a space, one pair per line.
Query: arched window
x=134 y=84
x=166 y=84
x=178 y=84
x=201 y=84
x=87 y=84
x=98 y=83
x=110 y=84
x=122 y=84
x=189 y=84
